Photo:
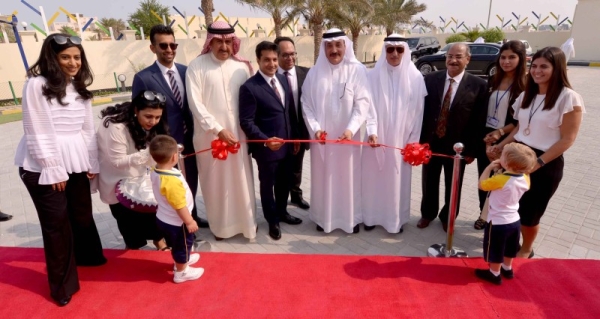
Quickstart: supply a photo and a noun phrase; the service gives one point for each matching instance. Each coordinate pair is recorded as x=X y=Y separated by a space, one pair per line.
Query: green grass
x=11 y=118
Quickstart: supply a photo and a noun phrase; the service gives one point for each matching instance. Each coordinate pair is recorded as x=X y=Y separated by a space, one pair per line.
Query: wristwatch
x=541 y=161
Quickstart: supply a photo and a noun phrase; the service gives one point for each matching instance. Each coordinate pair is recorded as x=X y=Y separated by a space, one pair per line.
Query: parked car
x=483 y=60
x=421 y=46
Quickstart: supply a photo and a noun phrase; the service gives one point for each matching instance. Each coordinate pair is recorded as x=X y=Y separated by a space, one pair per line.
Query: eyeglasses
x=390 y=50
x=289 y=55
x=151 y=96
x=61 y=39
x=164 y=46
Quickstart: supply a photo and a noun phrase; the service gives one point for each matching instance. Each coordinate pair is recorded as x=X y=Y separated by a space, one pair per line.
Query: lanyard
x=532 y=111
x=500 y=100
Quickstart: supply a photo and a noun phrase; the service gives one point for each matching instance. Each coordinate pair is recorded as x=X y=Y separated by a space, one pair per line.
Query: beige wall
x=586 y=31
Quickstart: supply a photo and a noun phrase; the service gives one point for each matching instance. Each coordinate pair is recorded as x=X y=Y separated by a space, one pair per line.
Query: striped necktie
x=176 y=93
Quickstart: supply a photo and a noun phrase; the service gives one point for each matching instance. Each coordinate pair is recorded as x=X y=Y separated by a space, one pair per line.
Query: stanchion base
x=439 y=250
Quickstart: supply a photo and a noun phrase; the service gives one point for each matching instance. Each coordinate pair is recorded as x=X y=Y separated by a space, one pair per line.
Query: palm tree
x=277 y=10
x=208 y=8
x=390 y=13
x=118 y=25
x=354 y=15
x=315 y=12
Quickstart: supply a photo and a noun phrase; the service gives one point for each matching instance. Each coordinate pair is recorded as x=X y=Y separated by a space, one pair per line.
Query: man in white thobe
x=336 y=101
x=213 y=81
x=398 y=92
x=568 y=48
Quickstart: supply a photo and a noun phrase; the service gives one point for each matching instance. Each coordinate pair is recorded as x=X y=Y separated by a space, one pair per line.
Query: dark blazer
x=262 y=116
x=468 y=111
x=152 y=79
x=302 y=129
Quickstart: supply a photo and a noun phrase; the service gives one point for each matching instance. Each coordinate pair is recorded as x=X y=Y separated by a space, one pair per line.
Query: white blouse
x=497 y=109
x=118 y=159
x=544 y=129
x=58 y=139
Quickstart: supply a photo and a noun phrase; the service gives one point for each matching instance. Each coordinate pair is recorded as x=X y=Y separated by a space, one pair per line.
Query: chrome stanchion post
x=181 y=162
x=447 y=249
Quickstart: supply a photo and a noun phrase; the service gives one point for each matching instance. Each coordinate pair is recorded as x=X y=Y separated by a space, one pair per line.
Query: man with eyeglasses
x=336 y=100
x=455 y=111
x=166 y=77
x=295 y=76
x=213 y=80
x=398 y=92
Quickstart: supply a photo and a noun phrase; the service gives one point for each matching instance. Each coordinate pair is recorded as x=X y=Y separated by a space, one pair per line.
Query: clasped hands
x=346 y=136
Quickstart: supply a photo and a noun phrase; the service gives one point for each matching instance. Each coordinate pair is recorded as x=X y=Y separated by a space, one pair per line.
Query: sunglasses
x=164 y=46
x=61 y=39
x=152 y=96
x=390 y=50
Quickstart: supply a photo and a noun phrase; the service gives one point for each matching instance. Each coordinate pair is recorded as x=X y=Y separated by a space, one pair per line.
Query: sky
x=472 y=12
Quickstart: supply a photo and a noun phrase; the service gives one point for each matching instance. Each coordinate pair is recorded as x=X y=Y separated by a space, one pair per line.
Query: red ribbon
x=414 y=154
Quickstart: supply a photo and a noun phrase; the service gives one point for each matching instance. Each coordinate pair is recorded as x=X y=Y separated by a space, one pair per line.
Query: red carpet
x=138 y=284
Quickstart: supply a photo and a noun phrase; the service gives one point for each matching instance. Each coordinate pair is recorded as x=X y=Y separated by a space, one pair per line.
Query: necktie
x=292 y=102
x=276 y=90
x=176 y=93
x=443 y=119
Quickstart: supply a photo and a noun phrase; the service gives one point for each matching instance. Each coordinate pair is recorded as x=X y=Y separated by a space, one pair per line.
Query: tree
x=492 y=35
x=277 y=10
x=315 y=12
x=471 y=35
x=391 y=13
x=118 y=25
x=67 y=29
x=143 y=16
x=354 y=15
x=208 y=8
x=9 y=33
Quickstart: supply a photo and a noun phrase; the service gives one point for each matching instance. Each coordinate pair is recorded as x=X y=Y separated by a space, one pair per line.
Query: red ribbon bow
x=323 y=136
x=220 y=149
x=416 y=154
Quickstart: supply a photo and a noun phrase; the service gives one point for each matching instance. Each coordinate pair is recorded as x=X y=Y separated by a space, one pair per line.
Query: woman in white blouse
x=57 y=158
x=123 y=140
x=549 y=115
x=504 y=88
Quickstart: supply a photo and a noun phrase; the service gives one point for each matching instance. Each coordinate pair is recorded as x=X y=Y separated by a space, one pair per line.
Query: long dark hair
x=520 y=77
x=48 y=67
x=125 y=113
x=558 y=80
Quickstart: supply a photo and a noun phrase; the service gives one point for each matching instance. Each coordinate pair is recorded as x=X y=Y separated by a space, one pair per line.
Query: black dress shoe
x=356 y=229
x=202 y=223
x=319 y=228
x=301 y=203
x=63 y=302
x=275 y=231
x=401 y=230
x=369 y=228
x=289 y=219
x=4 y=217
x=445 y=227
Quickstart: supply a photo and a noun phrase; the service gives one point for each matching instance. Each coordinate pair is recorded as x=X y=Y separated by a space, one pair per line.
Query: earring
x=134 y=115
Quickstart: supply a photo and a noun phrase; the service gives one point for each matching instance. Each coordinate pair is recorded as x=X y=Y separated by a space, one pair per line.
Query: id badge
x=492 y=121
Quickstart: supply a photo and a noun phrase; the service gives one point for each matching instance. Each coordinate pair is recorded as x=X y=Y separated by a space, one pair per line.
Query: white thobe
x=227 y=186
x=335 y=169
x=386 y=178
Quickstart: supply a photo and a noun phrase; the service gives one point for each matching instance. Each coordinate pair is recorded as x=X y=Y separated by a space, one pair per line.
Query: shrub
x=493 y=35
x=456 y=38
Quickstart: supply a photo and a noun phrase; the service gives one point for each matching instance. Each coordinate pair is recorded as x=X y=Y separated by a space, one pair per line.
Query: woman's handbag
x=136 y=194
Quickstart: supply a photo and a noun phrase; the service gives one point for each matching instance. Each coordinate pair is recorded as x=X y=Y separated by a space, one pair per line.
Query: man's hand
x=191 y=226
x=373 y=140
x=318 y=136
x=227 y=136
x=274 y=145
x=60 y=186
x=469 y=159
x=346 y=136
x=296 y=148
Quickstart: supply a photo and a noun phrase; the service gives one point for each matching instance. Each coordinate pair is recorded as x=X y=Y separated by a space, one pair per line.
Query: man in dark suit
x=295 y=76
x=455 y=111
x=166 y=76
x=265 y=114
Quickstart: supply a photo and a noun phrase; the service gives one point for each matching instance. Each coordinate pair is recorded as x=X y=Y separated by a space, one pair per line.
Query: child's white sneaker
x=193 y=259
x=188 y=273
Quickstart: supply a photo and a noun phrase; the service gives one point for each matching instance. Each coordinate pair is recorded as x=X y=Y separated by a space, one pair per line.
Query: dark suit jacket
x=262 y=116
x=302 y=129
x=152 y=79
x=466 y=122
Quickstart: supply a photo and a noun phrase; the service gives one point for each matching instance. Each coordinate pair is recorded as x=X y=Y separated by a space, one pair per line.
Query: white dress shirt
x=294 y=83
x=455 y=85
x=277 y=84
x=178 y=80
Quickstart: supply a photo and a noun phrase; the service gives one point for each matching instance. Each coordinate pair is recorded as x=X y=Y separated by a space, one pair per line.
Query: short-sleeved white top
x=545 y=124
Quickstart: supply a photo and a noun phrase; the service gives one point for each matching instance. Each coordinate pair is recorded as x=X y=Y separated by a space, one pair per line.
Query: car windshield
x=446 y=48
x=412 y=42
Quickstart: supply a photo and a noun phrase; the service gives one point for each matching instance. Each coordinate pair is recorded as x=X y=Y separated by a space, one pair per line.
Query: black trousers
x=296 y=166
x=191 y=174
x=275 y=177
x=431 y=187
x=482 y=162
x=68 y=230
x=136 y=228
